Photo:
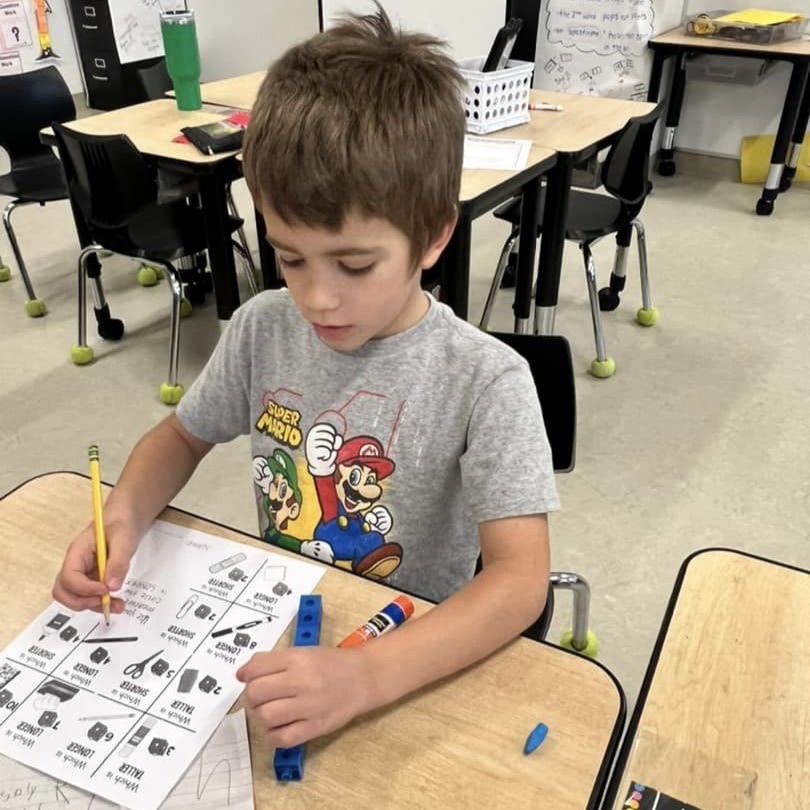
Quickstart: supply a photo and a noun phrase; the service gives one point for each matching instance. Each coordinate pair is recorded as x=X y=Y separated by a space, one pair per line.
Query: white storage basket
x=497 y=99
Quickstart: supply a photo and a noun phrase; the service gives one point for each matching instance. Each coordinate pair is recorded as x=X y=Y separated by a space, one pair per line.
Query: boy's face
x=355 y=284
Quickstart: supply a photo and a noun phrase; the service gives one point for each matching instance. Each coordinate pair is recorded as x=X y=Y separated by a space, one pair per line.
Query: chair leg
x=34 y=307
x=107 y=327
x=648 y=314
x=503 y=259
x=579 y=637
x=243 y=249
x=609 y=296
x=603 y=366
x=171 y=391
x=82 y=354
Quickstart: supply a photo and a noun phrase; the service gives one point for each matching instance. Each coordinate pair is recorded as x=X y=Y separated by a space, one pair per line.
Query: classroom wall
x=242 y=36
x=715 y=116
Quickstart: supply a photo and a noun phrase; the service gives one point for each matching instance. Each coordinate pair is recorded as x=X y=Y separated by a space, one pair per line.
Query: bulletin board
x=37 y=33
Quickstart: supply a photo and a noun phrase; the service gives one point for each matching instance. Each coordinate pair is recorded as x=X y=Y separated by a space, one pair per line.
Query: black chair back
x=625 y=172
x=525 y=47
x=107 y=177
x=155 y=80
x=29 y=102
x=552 y=367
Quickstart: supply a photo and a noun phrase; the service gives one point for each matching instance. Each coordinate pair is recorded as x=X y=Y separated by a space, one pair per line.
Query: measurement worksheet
x=121 y=711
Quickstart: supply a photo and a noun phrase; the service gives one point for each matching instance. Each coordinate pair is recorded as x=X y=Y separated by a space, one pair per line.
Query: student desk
x=723 y=716
x=560 y=140
x=151 y=126
x=457 y=744
x=795 y=110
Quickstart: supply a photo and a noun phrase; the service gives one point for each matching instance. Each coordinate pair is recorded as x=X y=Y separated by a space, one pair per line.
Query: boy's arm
x=490 y=610
x=303 y=693
x=157 y=469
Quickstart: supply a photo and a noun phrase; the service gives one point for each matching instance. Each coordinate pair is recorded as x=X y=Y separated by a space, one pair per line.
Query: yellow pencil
x=98 y=520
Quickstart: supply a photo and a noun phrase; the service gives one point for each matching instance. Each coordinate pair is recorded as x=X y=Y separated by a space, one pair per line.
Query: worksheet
x=121 y=711
x=220 y=777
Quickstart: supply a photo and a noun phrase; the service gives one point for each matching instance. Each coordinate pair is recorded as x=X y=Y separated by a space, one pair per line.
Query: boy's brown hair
x=363 y=118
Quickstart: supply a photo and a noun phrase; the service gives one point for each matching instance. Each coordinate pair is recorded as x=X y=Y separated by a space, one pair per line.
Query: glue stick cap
x=400 y=609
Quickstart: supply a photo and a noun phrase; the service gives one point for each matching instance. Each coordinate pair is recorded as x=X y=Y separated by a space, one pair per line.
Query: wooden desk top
x=583 y=122
x=677 y=38
x=151 y=127
x=456 y=744
x=726 y=718
x=238 y=91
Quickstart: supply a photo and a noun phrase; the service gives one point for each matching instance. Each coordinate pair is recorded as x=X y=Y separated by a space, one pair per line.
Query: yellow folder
x=758 y=16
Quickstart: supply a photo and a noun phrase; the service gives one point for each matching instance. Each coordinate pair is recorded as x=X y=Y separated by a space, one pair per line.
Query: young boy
x=388 y=436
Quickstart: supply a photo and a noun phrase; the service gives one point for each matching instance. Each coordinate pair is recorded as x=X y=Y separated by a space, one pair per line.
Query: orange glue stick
x=391 y=616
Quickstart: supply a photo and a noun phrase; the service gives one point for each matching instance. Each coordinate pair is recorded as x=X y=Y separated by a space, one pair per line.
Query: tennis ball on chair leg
x=81 y=355
x=647 y=317
x=35 y=308
x=5 y=273
x=171 y=394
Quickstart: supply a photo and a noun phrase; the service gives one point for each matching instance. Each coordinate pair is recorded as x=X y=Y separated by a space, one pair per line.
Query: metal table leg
x=790 y=112
x=666 y=160
x=527 y=241
x=220 y=253
x=455 y=269
x=549 y=268
x=795 y=147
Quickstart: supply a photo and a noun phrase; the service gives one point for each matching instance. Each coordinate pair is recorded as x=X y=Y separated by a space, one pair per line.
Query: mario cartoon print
x=277 y=478
x=353 y=526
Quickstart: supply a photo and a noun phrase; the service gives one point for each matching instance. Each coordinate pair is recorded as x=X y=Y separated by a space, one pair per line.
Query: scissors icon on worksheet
x=135 y=671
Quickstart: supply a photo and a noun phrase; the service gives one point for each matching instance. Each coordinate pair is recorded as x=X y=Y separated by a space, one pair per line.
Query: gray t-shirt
x=380 y=460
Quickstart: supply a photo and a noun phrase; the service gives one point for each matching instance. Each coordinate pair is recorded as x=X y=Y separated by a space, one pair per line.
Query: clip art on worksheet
x=220 y=777
x=121 y=711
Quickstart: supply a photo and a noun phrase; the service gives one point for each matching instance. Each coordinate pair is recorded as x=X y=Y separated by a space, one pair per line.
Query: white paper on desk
x=219 y=777
x=495 y=153
x=71 y=704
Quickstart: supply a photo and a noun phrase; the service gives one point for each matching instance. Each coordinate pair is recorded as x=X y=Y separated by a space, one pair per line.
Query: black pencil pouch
x=219 y=136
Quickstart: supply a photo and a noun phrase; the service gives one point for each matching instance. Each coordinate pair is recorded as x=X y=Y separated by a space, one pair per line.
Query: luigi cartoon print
x=277 y=478
x=353 y=525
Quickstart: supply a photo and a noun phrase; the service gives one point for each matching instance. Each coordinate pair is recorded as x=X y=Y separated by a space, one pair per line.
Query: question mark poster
x=15 y=33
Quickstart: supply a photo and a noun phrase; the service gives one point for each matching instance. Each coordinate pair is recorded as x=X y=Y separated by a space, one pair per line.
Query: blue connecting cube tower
x=288 y=763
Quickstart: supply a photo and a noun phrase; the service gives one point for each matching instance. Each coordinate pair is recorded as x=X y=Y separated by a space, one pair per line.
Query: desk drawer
x=104 y=79
x=92 y=14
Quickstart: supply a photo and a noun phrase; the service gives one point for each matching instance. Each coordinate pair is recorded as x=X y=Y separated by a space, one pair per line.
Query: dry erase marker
x=542 y=105
x=391 y=616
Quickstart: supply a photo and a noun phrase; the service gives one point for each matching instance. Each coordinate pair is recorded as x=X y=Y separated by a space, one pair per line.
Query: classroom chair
x=155 y=83
x=31 y=101
x=115 y=190
x=591 y=217
x=552 y=368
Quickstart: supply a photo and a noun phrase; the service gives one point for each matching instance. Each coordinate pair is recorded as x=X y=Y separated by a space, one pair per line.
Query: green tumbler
x=182 y=57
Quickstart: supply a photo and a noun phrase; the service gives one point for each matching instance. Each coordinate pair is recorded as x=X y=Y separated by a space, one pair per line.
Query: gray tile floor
x=700 y=439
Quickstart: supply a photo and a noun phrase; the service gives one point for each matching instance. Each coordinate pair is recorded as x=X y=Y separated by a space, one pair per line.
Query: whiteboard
x=136 y=26
x=467 y=27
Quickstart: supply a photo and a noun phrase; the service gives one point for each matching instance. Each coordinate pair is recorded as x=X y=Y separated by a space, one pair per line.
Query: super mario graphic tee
x=382 y=460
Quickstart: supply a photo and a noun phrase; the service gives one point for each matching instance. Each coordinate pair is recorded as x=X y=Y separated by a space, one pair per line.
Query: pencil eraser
x=535 y=738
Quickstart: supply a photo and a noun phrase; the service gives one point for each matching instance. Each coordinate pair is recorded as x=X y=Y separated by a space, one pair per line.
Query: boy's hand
x=302 y=693
x=77 y=585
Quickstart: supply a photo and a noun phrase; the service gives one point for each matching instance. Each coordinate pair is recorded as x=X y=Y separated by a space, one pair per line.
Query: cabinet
x=108 y=83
